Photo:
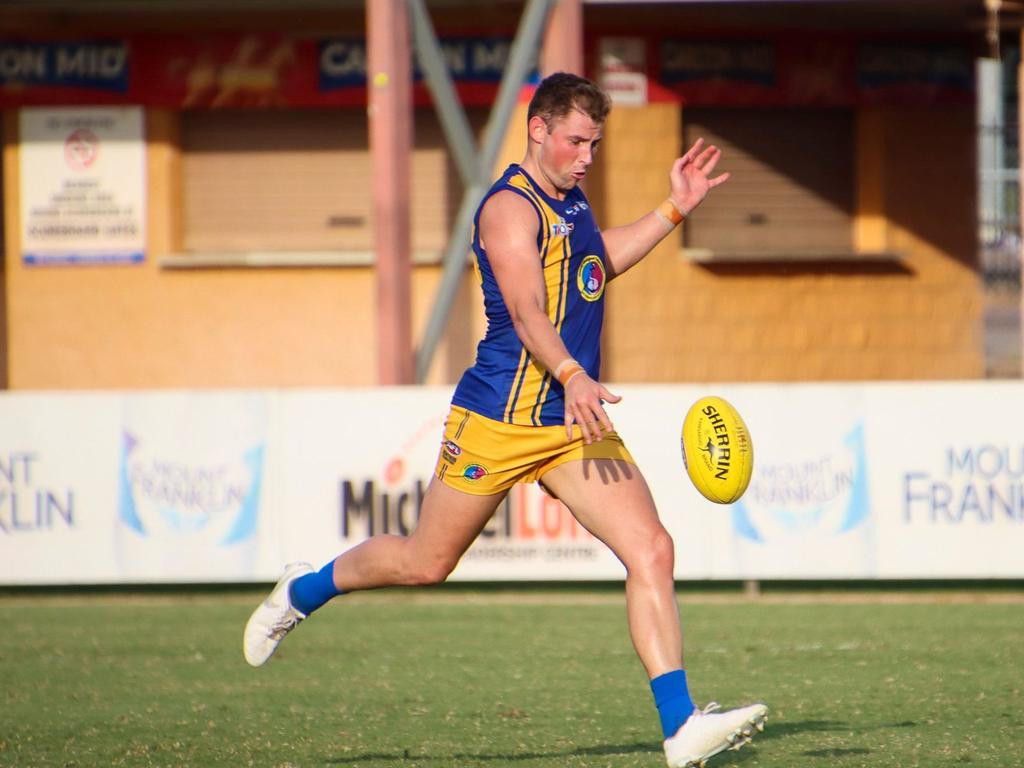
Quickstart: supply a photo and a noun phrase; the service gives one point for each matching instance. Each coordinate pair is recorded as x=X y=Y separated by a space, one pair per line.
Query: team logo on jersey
x=591 y=277
x=562 y=227
x=474 y=472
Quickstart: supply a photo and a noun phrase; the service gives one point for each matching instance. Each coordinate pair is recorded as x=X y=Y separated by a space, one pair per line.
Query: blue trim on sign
x=742 y=523
x=858 y=509
x=245 y=524
x=125 y=500
x=55 y=259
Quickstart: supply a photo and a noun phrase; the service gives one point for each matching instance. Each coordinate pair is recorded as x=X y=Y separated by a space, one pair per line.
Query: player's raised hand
x=584 y=406
x=690 y=179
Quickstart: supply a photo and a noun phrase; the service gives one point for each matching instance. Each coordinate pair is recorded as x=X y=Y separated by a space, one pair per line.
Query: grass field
x=538 y=678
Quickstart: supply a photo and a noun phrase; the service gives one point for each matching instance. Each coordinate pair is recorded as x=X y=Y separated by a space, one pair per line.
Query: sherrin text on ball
x=717 y=450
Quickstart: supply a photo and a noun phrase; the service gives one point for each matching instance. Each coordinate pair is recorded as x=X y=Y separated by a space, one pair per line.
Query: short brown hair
x=561 y=93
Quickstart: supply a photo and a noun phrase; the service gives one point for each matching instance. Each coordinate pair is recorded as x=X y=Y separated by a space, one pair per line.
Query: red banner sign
x=283 y=71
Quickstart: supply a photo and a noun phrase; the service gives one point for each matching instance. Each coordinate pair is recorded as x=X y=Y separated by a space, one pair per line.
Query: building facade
x=233 y=246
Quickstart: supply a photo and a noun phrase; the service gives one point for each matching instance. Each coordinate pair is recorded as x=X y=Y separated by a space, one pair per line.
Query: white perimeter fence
x=859 y=481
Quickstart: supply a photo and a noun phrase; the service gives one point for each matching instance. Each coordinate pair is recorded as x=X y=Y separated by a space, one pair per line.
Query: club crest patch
x=591 y=278
x=474 y=472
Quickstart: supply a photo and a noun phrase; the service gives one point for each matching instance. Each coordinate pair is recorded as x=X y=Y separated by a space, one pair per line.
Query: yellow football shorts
x=483 y=456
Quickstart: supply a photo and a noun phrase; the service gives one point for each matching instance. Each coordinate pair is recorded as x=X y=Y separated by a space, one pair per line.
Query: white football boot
x=274 y=618
x=707 y=732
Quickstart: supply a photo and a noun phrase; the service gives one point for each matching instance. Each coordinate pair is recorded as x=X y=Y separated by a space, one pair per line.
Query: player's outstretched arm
x=690 y=181
x=508 y=232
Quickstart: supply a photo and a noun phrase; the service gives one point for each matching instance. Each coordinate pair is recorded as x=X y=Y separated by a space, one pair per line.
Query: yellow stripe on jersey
x=520 y=182
x=532 y=380
x=476 y=259
x=559 y=316
x=554 y=263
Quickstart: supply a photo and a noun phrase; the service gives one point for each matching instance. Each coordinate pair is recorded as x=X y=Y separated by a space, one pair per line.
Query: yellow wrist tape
x=566 y=373
x=668 y=211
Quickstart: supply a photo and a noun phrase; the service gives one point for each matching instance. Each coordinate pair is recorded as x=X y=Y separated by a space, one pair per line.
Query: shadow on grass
x=773 y=731
x=838 y=752
x=776 y=729
x=604 y=750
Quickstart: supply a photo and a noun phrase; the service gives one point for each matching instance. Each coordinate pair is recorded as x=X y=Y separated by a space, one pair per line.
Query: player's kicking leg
x=449 y=522
x=611 y=500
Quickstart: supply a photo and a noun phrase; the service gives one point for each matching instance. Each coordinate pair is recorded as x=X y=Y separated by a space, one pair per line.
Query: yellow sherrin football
x=717 y=450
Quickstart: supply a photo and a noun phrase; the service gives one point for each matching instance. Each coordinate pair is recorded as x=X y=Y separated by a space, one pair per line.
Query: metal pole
x=521 y=58
x=453 y=119
x=390 y=116
x=990 y=157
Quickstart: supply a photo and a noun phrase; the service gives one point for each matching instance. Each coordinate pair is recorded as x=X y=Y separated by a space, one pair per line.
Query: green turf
x=391 y=681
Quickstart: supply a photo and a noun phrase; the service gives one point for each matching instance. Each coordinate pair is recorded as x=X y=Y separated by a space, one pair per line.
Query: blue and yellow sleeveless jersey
x=506 y=384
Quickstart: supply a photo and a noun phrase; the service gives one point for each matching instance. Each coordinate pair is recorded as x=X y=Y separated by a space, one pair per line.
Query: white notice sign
x=83 y=185
x=623 y=63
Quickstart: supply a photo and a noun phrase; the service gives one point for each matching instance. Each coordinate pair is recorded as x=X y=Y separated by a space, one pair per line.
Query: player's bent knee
x=657 y=559
x=429 y=573
x=664 y=551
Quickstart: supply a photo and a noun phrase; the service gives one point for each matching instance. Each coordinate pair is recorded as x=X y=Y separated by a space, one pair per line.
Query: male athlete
x=532 y=409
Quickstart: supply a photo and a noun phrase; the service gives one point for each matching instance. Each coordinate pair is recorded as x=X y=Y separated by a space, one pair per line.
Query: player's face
x=567 y=149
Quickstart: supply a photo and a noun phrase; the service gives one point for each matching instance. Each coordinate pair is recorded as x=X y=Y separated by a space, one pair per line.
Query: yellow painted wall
x=672 y=320
x=140 y=326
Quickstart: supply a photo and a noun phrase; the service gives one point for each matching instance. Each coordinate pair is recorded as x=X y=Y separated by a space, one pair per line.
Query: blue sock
x=311 y=591
x=672 y=698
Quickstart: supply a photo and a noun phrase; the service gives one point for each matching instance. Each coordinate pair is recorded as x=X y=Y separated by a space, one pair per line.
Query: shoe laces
x=711 y=706
x=285 y=624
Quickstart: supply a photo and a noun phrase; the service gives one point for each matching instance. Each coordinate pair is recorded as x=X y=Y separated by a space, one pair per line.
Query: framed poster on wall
x=83 y=185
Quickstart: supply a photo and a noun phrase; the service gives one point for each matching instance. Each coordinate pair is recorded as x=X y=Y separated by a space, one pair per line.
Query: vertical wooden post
x=563 y=39
x=1020 y=186
x=10 y=228
x=869 y=228
x=389 y=100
